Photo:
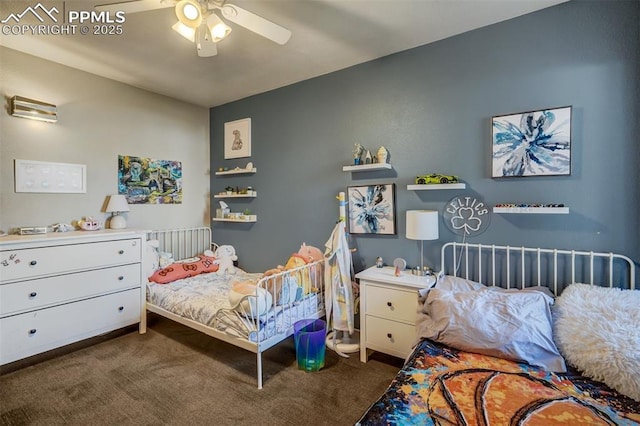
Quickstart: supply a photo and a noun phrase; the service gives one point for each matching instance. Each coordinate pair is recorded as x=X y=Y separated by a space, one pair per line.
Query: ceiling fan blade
x=135 y=6
x=255 y=23
x=204 y=42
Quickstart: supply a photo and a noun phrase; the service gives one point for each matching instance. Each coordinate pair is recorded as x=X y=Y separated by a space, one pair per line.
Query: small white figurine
x=382 y=155
x=367 y=157
x=62 y=227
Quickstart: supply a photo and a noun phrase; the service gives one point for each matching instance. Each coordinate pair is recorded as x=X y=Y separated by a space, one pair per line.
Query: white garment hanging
x=338 y=291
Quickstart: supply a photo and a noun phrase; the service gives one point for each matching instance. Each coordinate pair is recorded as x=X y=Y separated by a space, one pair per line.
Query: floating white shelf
x=237 y=171
x=531 y=210
x=254 y=195
x=366 y=167
x=220 y=219
x=436 y=186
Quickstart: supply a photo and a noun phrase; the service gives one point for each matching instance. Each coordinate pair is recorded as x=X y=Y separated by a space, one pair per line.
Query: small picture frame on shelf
x=237 y=139
x=532 y=143
x=372 y=209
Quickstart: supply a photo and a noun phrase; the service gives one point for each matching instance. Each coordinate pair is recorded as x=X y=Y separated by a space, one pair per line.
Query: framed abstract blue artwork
x=532 y=143
x=372 y=209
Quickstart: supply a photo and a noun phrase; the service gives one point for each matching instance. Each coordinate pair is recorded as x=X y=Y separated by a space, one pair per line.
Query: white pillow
x=151 y=258
x=514 y=324
x=598 y=331
x=451 y=283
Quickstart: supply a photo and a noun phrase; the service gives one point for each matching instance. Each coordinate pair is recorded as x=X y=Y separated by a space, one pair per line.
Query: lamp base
x=117 y=222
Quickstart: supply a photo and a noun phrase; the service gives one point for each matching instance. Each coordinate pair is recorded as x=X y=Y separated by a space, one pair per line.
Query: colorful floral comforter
x=440 y=385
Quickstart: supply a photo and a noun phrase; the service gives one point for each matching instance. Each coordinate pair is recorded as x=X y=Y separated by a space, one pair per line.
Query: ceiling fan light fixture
x=186 y=32
x=219 y=29
x=189 y=13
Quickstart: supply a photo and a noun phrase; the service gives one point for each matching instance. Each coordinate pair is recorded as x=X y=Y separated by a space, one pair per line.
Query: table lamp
x=422 y=225
x=117 y=204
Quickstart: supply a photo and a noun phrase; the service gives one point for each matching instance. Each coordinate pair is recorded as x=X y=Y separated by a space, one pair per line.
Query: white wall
x=98 y=119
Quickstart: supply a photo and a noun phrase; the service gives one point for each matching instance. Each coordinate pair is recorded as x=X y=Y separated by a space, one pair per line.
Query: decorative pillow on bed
x=258 y=302
x=183 y=269
x=510 y=324
x=598 y=331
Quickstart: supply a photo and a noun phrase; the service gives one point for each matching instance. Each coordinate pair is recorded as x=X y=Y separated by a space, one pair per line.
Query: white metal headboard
x=183 y=243
x=519 y=267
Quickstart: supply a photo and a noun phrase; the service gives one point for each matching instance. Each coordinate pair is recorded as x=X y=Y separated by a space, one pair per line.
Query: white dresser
x=388 y=306
x=60 y=288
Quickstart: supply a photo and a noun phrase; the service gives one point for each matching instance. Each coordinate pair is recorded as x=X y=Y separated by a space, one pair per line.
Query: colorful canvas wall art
x=147 y=181
x=372 y=209
x=532 y=143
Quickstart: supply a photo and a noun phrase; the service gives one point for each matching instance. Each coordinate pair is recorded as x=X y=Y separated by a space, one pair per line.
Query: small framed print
x=372 y=209
x=237 y=139
x=532 y=143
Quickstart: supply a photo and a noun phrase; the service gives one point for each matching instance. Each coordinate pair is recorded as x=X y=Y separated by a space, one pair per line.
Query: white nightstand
x=388 y=307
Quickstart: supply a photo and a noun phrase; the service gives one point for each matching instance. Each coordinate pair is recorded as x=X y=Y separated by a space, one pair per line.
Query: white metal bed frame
x=520 y=267
x=236 y=325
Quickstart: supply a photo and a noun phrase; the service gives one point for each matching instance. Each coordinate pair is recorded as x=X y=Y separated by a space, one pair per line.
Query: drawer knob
x=32 y=331
x=33 y=263
x=121 y=308
x=120 y=251
x=390 y=336
x=389 y=304
x=33 y=294
x=120 y=278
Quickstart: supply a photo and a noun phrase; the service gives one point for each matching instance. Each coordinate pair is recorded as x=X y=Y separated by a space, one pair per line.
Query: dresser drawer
x=388 y=336
x=38 y=293
x=42 y=261
x=34 y=332
x=391 y=303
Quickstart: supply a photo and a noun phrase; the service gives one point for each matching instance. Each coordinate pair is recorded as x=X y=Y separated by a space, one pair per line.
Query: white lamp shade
x=117 y=203
x=422 y=225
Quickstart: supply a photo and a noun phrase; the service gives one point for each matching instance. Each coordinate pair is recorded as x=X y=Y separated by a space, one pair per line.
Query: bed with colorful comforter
x=440 y=385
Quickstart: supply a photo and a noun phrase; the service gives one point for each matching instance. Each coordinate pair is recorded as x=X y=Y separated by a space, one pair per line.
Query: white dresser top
x=386 y=275
x=13 y=241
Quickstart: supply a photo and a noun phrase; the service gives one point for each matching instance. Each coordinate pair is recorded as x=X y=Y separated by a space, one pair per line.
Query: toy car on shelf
x=436 y=178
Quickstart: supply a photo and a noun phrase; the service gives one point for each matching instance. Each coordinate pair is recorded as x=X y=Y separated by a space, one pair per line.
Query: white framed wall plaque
x=42 y=176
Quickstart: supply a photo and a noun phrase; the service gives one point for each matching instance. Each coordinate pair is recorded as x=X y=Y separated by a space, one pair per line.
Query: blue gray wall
x=431 y=107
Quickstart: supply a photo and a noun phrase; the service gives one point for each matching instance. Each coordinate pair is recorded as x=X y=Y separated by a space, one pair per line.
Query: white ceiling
x=328 y=35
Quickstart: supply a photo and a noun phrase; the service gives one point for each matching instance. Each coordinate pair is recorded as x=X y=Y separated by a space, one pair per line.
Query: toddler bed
x=512 y=353
x=206 y=292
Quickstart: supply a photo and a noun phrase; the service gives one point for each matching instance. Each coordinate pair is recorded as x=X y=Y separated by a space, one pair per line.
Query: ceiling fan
x=200 y=20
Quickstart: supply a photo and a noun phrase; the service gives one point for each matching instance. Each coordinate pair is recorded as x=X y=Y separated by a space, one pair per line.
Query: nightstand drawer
x=391 y=337
x=391 y=303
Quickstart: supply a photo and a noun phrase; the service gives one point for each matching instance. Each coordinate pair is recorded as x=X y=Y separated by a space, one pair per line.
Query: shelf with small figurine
x=532 y=208
x=251 y=218
x=231 y=192
x=436 y=181
x=237 y=170
x=364 y=161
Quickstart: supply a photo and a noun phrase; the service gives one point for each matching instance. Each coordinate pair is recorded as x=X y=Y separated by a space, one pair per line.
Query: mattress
x=440 y=385
x=197 y=298
x=205 y=299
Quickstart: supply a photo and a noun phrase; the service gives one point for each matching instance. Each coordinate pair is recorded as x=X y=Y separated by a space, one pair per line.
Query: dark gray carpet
x=178 y=376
